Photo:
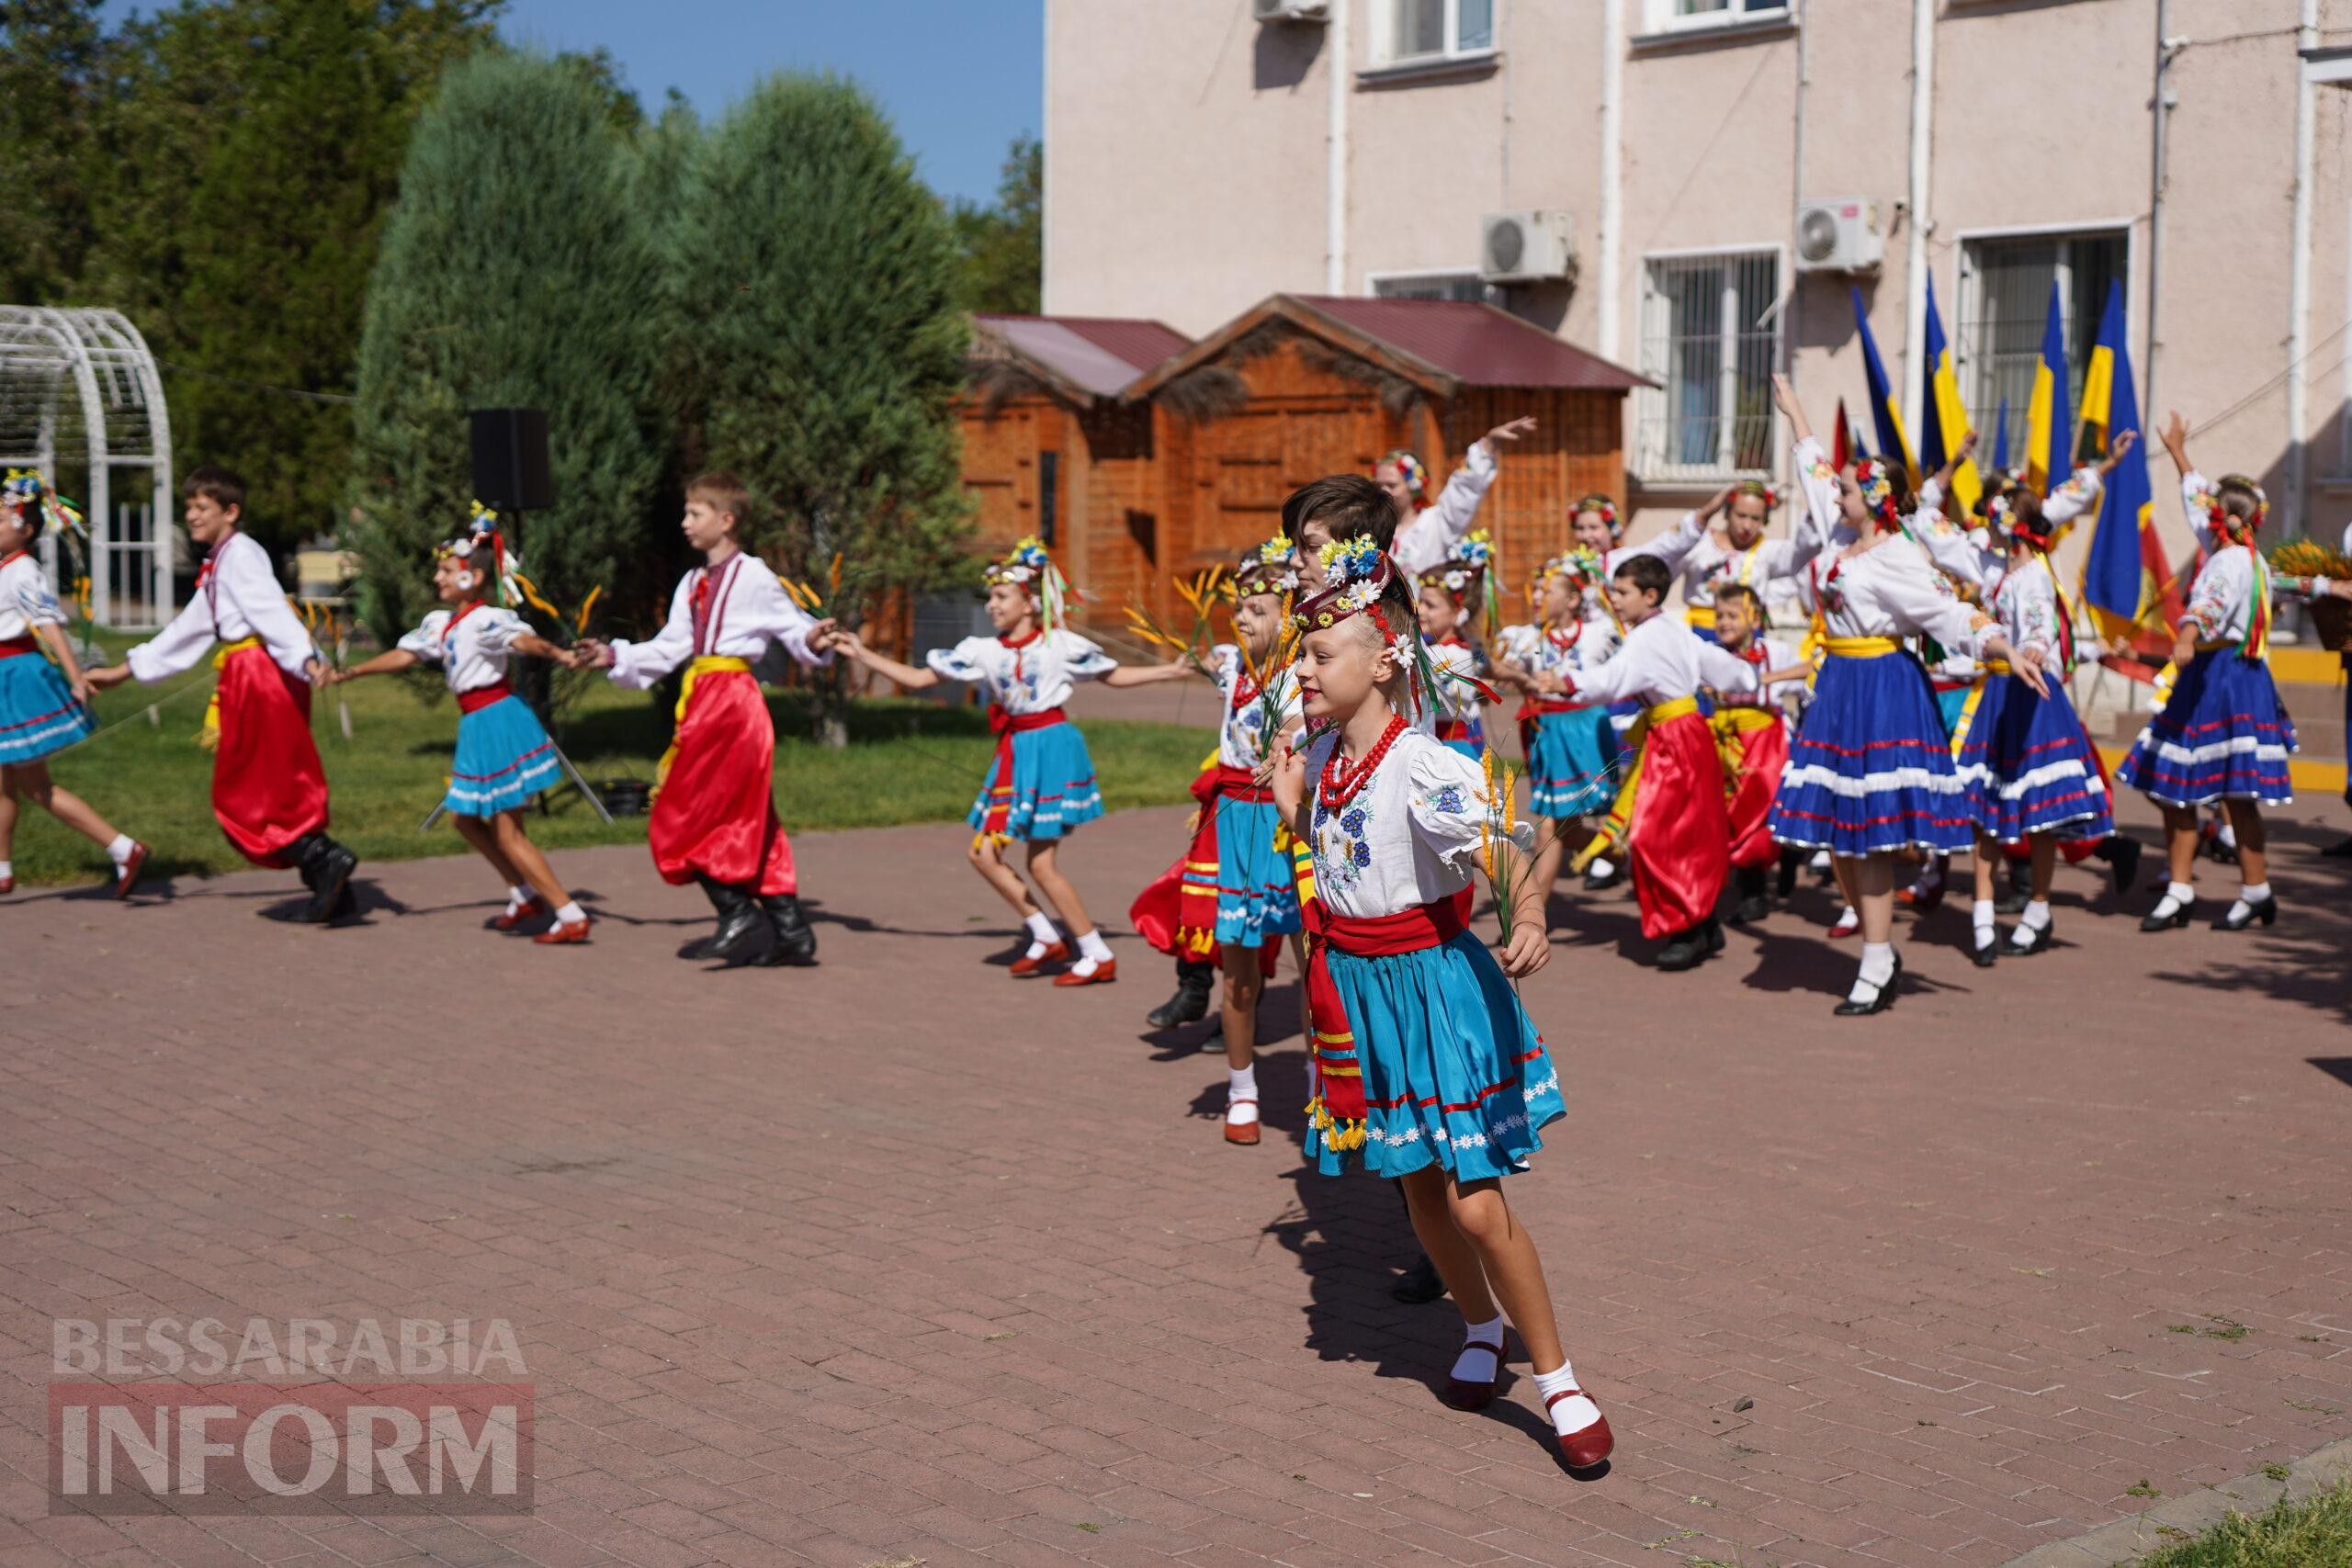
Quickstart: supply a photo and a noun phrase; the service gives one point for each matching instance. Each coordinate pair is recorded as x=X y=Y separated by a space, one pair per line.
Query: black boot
x=1686 y=950
x=795 y=940
x=1791 y=860
x=2122 y=853
x=1753 y=904
x=326 y=867
x=741 y=924
x=1191 y=1002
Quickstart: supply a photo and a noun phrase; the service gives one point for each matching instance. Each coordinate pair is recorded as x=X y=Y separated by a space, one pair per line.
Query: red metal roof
x=1102 y=353
x=1477 y=344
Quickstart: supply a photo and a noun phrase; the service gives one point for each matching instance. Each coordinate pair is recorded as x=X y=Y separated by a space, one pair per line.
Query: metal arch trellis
x=69 y=369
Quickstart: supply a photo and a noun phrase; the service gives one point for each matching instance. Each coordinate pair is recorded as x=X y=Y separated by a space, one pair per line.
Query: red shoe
x=1104 y=972
x=127 y=874
x=1845 y=928
x=1588 y=1445
x=8 y=885
x=563 y=933
x=1239 y=1132
x=1465 y=1394
x=528 y=910
x=1026 y=967
x=1912 y=898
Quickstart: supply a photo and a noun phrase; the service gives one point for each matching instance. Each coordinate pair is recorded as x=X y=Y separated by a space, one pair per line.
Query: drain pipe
x=2299 y=283
x=1915 y=282
x=1613 y=172
x=1335 y=143
x=2165 y=44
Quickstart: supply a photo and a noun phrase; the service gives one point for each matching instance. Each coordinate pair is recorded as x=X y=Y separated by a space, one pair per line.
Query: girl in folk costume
x=503 y=757
x=1752 y=738
x=44 y=708
x=1426 y=1068
x=1569 y=744
x=1596 y=525
x=1425 y=532
x=2035 y=775
x=714 y=818
x=1871 y=770
x=1703 y=557
x=1041 y=785
x=2223 y=734
x=1451 y=596
x=269 y=792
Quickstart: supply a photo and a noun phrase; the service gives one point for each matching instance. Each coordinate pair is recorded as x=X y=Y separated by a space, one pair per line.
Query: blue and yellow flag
x=2001 y=437
x=2123 y=569
x=1884 y=415
x=1943 y=420
x=2048 y=427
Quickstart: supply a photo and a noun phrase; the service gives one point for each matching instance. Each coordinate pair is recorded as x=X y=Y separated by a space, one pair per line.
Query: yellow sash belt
x=1668 y=710
x=1620 y=820
x=1701 y=616
x=1860 y=647
x=209 y=737
x=710 y=664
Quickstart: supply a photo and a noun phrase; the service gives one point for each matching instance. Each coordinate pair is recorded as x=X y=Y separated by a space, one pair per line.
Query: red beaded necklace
x=1338 y=785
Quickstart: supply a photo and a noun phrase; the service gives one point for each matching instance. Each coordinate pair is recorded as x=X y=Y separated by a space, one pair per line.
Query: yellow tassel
x=209 y=735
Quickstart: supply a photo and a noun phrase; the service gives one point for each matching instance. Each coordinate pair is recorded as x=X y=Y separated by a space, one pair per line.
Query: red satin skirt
x=1763 y=752
x=716 y=814
x=268 y=788
x=1681 y=834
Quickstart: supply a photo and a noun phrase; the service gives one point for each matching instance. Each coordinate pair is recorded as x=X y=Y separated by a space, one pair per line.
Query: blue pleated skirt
x=1052 y=789
x=2223 y=736
x=2028 y=766
x=1454 y=1073
x=1870 y=768
x=504 y=758
x=1571 y=764
x=1257 y=886
x=38 y=713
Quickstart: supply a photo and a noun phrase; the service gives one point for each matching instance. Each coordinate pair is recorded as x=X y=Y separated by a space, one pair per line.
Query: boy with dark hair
x=1339 y=506
x=269 y=790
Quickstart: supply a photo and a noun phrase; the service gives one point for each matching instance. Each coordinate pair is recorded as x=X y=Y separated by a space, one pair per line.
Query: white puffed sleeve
x=425 y=641
x=242 y=575
x=1081 y=660
x=965 y=661
x=1923 y=604
x=176 y=647
x=759 y=605
x=1445 y=795
x=2070 y=501
x=34 y=601
x=1725 y=671
x=1825 y=515
x=2197 y=500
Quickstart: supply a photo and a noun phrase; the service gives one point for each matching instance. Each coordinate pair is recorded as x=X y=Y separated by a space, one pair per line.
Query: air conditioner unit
x=1534 y=246
x=1838 y=236
x=1290 y=10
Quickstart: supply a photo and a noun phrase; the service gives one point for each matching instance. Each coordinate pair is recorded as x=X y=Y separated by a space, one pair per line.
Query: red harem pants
x=716 y=814
x=1679 y=840
x=268 y=788
x=1759 y=741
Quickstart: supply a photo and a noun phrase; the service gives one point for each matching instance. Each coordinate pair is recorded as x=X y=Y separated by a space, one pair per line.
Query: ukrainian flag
x=2123 y=570
x=2001 y=436
x=1883 y=412
x=2049 y=429
x=1943 y=423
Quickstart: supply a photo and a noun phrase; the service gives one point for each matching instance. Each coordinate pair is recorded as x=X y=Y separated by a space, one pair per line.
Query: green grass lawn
x=2315 y=1533
x=907 y=761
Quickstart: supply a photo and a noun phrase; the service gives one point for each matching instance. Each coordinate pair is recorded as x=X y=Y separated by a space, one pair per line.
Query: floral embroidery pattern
x=1345 y=862
x=1446 y=800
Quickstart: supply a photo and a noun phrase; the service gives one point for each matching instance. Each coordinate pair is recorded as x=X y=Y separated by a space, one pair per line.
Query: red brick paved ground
x=893 y=1258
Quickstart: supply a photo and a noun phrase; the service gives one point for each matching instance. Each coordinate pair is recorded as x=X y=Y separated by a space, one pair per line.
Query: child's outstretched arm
x=388 y=662
x=70 y=667
x=906 y=675
x=533 y=646
x=1151 y=674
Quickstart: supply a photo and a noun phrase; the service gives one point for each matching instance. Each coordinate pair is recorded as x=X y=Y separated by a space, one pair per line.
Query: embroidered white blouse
x=237 y=596
x=1457 y=700
x=2024 y=599
x=25 y=599
x=1032 y=677
x=473 y=653
x=745 y=610
x=1240 y=742
x=1422 y=541
x=1703 y=560
x=1409 y=837
x=1564 y=653
x=1662 y=660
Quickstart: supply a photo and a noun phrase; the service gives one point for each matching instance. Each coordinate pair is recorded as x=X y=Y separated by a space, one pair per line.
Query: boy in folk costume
x=1425 y=531
x=1568 y=742
x=1041 y=785
x=714 y=818
x=269 y=792
x=1752 y=738
x=1449 y=597
x=1679 y=836
x=503 y=757
x=1426 y=1068
x=44 y=708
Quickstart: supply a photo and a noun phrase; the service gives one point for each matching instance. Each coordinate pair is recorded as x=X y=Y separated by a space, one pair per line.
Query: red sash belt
x=481 y=698
x=11 y=647
x=1007 y=726
x=1338 y=1106
x=1454 y=730
x=1230 y=784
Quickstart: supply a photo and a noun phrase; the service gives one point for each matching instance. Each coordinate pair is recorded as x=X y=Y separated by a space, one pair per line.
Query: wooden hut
x=1301 y=386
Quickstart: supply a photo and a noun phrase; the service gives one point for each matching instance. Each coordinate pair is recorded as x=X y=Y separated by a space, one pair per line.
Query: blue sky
x=961 y=78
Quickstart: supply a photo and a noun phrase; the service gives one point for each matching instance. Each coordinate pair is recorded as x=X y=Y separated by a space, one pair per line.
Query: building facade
x=1201 y=155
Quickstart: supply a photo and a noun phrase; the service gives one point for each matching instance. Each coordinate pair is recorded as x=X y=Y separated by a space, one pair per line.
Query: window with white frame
x=1434 y=30
x=2005 y=300
x=1463 y=285
x=1711 y=339
x=1686 y=16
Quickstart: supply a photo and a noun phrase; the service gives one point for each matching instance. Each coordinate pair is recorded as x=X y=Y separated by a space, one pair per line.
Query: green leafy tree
x=516 y=269
x=818 y=275
x=1003 y=246
x=51 y=83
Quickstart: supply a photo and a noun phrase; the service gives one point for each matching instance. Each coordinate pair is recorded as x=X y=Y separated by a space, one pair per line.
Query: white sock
x=1573 y=1414
x=7 y=869
x=2035 y=919
x=1091 y=944
x=2249 y=895
x=517 y=897
x=1041 y=929
x=1601 y=866
x=1846 y=917
x=2178 y=896
x=1477 y=1365
x=1241 y=1084
x=120 y=850
x=2229 y=834
x=1878 y=968
x=571 y=914
x=1980 y=915
x=1820 y=861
